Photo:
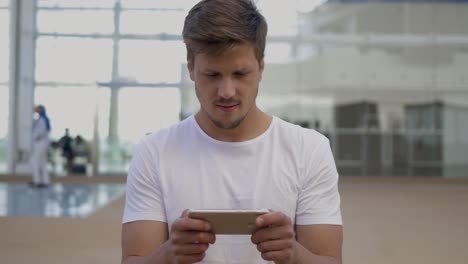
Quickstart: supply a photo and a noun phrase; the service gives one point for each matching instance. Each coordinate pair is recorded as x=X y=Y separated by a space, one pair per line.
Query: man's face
x=227 y=84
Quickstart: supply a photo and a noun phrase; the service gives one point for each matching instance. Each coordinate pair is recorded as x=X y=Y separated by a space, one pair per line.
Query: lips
x=227 y=108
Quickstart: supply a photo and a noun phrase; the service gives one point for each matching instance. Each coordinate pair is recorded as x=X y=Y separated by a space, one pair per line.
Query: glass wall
x=4 y=76
x=141 y=110
x=96 y=77
x=385 y=81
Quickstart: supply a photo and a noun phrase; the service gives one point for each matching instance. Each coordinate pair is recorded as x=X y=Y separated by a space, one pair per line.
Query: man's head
x=213 y=26
x=225 y=42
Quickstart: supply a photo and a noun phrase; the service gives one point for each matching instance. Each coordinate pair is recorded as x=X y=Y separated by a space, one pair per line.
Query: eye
x=212 y=74
x=240 y=74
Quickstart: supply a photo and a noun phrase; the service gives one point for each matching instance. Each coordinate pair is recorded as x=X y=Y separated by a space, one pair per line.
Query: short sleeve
x=143 y=192
x=319 y=199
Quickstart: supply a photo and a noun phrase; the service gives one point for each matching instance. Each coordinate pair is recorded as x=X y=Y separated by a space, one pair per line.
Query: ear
x=261 y=67
x=190 y=67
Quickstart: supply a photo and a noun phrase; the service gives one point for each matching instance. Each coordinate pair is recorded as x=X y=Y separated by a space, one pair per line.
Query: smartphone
x=229 y=222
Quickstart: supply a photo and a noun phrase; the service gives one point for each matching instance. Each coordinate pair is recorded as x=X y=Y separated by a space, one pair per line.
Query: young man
x=231 y=155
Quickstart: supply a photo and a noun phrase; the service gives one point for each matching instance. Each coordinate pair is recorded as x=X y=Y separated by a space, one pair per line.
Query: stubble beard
x=231 y=125
x=223 y=125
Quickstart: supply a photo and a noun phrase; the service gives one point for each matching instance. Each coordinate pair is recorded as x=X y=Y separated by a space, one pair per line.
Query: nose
x=226 y=88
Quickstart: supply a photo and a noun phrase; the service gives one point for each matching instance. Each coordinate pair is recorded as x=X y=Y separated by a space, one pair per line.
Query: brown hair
x=213 y=26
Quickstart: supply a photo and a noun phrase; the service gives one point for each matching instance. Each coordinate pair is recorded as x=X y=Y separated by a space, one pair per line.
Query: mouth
x=227 y=108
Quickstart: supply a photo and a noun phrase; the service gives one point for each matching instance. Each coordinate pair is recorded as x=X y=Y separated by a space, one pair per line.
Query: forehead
x=239 y=56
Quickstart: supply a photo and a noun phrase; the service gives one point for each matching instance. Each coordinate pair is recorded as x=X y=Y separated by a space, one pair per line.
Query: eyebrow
x=244 y=69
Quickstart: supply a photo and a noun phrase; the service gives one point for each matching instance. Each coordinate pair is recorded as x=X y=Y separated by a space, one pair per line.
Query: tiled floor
x=386 y=221
x=58 y=200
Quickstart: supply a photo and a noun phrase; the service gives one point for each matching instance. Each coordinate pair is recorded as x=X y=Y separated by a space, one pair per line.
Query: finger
x=272 y=219
x=190 y=258
x=193 y=237
x=185 y=213
x=273 y=233
x=274 y=245
x=190 y=249
x=189 y=224
x=278 y=256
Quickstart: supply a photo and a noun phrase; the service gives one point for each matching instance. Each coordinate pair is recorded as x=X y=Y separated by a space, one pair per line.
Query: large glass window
x=161 y=4
x=76 y=3
x=73 y=60
x=71 y=21
x=4 y=44
x=151 y=22
x=385 y=82
x=160 y=107
x=151 y=61
x=283 y=14
x=78 y=55
x=389 y=74
x=71 y=108
x=141 y=111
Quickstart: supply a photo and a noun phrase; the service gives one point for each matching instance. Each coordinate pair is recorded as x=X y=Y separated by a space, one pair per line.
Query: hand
x=189 y=239
x=275 y=237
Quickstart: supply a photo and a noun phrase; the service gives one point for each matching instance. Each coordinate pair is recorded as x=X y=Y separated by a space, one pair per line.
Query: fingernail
x=207 y=227
x=260 y=221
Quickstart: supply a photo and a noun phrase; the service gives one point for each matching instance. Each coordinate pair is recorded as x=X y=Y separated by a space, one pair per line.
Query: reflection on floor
x=58 y=200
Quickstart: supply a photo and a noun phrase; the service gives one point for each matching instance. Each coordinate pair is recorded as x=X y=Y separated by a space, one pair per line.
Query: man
x=231 y=155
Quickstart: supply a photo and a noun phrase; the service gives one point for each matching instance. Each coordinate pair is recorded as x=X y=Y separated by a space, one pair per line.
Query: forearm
x=304 y=256
x=160 y=255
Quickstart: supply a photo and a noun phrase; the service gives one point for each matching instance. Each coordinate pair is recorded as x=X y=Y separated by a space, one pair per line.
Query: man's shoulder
x=172 y=132
x=297 y=132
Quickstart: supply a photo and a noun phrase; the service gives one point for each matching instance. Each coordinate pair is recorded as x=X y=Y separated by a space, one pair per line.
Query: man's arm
x=141 y=242
x=145 y=242
x=311 y=244
x=319 y=244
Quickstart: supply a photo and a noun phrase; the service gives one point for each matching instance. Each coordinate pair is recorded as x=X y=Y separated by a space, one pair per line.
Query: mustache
x=229 y=101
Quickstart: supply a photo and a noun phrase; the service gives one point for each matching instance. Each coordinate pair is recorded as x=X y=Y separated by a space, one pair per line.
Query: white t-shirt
x=287 y=168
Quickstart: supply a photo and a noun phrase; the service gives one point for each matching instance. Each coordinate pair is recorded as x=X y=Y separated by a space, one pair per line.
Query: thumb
x=185 y=213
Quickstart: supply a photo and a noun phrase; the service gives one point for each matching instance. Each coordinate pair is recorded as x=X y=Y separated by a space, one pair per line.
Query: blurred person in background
x=40 y=147
x=81 y=153
x=66 y=142
x=231 y=155
x=81 y=148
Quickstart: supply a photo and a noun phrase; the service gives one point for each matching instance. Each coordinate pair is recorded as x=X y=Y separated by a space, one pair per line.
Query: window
x=159 y=107
x=160 y=4
x=77 y=3
x=4 y=44
x=71 y=21
x=73 y=60
x=152 y=61
x=281 y=17
x=151 y=22
x=69 y=107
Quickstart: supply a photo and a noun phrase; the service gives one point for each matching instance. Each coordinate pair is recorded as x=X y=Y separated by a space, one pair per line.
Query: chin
x=223 y=124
